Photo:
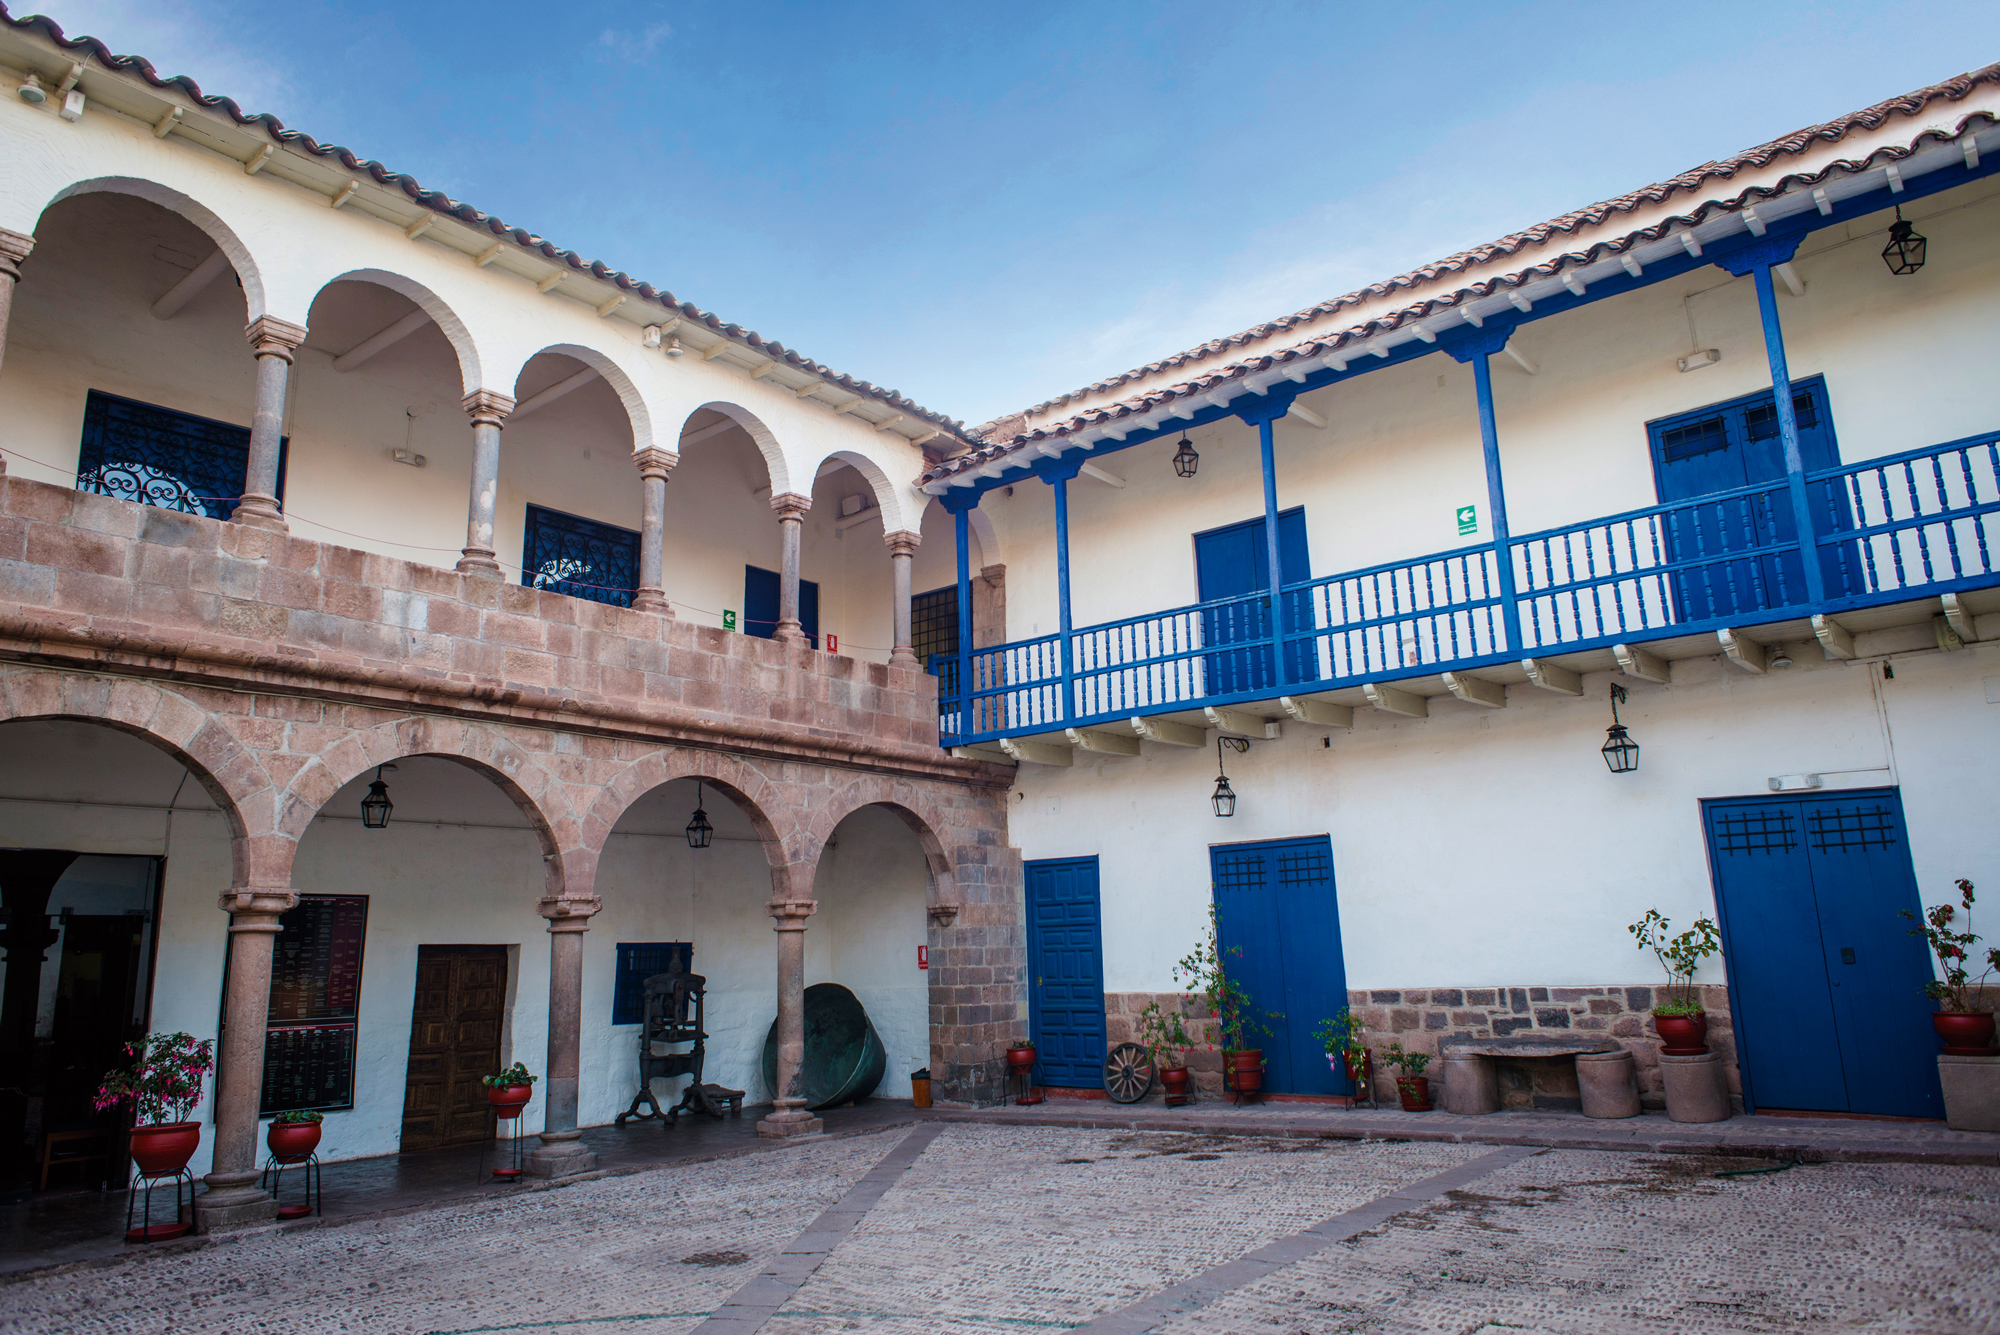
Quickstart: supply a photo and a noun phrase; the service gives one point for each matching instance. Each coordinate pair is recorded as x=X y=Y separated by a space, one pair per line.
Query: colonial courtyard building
x=948 y=700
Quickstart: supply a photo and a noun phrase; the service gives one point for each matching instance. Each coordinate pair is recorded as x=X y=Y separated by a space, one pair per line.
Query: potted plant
x=1205 y=973
x=1964 y=1029
x=1413 y=1087
x=1021 y=1054
x=1340 y=1039
x=508 y=1092
x=1164 y=1034
x=293 y=1135
x=1680 y=1019
x=163 y=1085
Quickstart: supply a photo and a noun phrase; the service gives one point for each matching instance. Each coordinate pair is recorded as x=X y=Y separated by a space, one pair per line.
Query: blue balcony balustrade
x=1886 y=529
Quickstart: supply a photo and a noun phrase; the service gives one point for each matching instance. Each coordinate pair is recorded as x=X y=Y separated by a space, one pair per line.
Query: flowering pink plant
x=1957 y=990
x=163 y=1081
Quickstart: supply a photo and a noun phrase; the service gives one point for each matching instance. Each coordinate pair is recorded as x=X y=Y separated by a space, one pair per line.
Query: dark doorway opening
x=461 y=1004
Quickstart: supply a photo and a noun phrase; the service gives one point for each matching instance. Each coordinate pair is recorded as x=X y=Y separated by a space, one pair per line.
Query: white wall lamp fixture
x=31 y=90
x=1224 y=797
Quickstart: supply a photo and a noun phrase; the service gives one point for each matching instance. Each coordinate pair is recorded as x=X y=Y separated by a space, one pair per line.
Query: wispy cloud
x=627 y=48
x=196 y=40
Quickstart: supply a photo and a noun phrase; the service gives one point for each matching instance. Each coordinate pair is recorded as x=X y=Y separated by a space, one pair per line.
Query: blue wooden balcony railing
x=1885 y=530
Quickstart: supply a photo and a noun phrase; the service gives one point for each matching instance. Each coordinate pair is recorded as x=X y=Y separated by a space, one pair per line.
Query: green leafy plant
x=1204 y=972
x=1163 y=1033
x=1408 y=1064
x=1679 y=955
x=1341 y=1037
x=297 y=1116
x=1015 y=1045
x=1958 y=990
x=163 y=1080
x=517 y=1074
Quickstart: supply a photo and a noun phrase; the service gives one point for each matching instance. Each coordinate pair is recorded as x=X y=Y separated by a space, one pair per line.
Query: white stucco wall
x=1481 y=847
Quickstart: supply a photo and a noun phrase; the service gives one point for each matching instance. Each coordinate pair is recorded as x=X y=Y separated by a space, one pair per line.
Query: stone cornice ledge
x=25 y=638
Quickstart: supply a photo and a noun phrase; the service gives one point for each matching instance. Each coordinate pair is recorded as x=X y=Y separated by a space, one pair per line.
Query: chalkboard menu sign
x=315 y=1005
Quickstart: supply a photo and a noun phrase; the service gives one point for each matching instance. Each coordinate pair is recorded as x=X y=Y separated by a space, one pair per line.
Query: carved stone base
x=786 y=1125
x=651 y=600
x=474 y=561
x=563 y=1158
x=219 y=1211
x=259 y=511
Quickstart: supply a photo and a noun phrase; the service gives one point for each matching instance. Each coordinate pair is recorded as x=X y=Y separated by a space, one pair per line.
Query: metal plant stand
x=508 y=1114
x=674 y=1019
x=142 y=1187
x=273 y=1180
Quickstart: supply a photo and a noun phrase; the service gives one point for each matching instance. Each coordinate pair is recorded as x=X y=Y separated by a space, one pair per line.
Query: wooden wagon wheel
x=1128 y=1073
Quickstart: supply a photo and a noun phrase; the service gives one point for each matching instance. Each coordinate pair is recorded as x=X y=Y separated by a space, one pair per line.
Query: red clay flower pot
x=1245 y=1070
x=1175 y=1078
x=1682 y=1035
x=291 y=1141
x=1020 y=1058
x=508 y=1100
x=1965 y=1033
x=166 y=1147
x=1414 y=1091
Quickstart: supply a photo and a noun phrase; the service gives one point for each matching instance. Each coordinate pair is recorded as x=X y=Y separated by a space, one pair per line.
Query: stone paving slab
x=1813 y=1139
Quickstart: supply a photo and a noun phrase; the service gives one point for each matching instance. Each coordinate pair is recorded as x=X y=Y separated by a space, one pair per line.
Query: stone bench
x=1604 y=1077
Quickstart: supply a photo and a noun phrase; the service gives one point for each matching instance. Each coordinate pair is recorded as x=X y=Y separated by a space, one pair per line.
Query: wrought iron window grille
x=583 y=558
x=149 y=455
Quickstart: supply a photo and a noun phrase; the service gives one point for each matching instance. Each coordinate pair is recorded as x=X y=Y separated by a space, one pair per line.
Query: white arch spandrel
x=226 y=237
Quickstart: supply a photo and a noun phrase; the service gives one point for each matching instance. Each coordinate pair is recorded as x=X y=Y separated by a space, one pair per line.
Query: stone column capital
x=655 y=462
x=791 y=505
x=569 y=914
x=272 y=337
x=487 y=407
x=902 y=543
x=791 y=914
x=256 y=908
x=14 y=247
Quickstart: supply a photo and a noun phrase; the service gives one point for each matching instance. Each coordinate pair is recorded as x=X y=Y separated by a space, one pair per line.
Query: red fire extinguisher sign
x=923 y=957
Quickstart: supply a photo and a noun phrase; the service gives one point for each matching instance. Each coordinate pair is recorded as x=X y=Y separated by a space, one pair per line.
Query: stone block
x=1694 y=1087
x=1971 y=1091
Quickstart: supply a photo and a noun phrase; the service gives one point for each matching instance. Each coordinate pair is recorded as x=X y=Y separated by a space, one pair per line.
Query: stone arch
x=569 y=868
x=761 y=435
x=747 y=786
x=637 y=411
x=470 y=366
x=226 y=238
x=227 y=770
x=911 y=804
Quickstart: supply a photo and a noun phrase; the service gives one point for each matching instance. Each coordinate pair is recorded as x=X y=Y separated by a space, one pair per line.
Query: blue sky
x=985 y=206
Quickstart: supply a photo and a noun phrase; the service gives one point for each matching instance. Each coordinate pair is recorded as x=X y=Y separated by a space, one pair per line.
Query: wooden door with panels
x=460 y=1005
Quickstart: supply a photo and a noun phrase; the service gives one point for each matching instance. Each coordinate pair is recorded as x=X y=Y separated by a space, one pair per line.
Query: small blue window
x=151 y=455
x=637 y=963
x=580 y=557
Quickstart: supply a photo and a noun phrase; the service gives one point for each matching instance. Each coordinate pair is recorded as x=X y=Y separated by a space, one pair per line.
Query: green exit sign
x=1468 y=520
x=728 y=619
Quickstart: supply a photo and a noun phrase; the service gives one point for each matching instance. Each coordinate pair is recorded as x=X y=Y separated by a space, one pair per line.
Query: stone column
x=789 y=1116
x=562 y=1152
x=654 y=465
x=791 y=508
x=275 y=341
x=487 y=411
x=902 y=554
x=233 y=1198
x=14 y=247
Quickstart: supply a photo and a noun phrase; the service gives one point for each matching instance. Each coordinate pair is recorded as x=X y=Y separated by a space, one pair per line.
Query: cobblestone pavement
x=1005 y=1228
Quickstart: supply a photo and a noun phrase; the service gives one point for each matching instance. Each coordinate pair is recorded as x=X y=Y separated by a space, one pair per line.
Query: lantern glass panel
x=1621 y=753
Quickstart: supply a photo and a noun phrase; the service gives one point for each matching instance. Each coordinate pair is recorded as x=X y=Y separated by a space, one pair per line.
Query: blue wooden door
x=1232 y=567
x=1826 y=983
x=760 y=605
x=1278 y=925
x=1724 y=449
x=1066 y=972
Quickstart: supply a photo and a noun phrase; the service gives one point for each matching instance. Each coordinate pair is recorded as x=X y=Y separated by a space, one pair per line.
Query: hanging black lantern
x=1185 y=459
x=1620 y=752
x=1224 y=797
x=699 y=830
x=1905 y=252
x=375 y=807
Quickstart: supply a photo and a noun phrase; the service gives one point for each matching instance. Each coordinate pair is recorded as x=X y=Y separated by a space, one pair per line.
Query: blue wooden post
x=1267 y=454
x=1060 y=481
x=1788 y=431
x=962 y=526
x=1496 y=502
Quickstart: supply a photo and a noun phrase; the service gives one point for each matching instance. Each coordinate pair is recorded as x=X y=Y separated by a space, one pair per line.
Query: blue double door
x=1278 y=925
x=1826 y=982
x=1232 y=567
x=1066 y=972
